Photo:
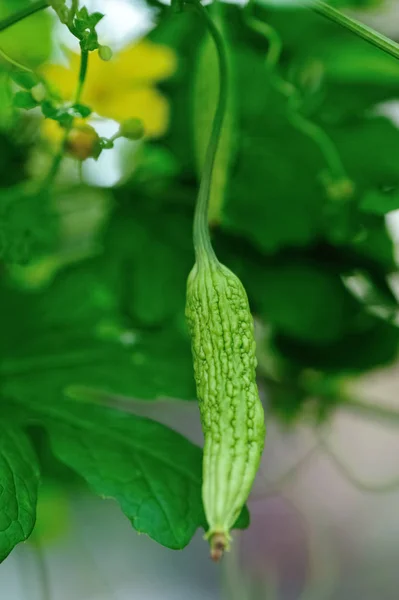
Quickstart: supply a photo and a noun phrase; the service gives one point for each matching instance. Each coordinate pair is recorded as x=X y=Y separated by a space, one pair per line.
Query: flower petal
x=145 y=62
x=63 y=80
x=146 y=104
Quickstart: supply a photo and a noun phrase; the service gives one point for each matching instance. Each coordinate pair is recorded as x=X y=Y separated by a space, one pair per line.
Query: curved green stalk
x=368 y=487
x=202 y=242
x=84 y=61
x=22 y=14
x=55 y=165
x=15 y=63
x=43 y=574
x=368 y=34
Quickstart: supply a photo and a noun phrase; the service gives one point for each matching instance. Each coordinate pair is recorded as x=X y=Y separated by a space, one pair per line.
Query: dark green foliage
x=112 y=323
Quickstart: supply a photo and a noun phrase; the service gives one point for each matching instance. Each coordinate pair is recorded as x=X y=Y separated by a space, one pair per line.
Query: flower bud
x=105 y=53
x=83 y=142
x=132 y=129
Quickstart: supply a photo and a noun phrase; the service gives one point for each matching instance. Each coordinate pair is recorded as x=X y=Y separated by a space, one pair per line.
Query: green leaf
x=27 y=224
x=24 y=79
x=81 y=110
x=380 y=202
x=13 y=158
x=151 y=261
x=19 y=480
x=83 y=14
x=95 y=18
x=307 y=301
x=62 y=115
x=71 y=337
x=353 y=61
x=374 y=344
x=268 y=201
x=359 y=143
x=151 y=471
x=24 y=100
x=28 y=41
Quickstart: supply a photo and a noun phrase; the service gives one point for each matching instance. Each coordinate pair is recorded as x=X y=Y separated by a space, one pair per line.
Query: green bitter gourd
x=223 y=345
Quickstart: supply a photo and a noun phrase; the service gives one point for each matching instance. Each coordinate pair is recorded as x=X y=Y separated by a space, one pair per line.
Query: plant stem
x=301 y=123
x=15 y=63
x=202 y=242
x=23 y=13
x=366 y=33
x=42 y=568
x=84 y=61
x=84 y=56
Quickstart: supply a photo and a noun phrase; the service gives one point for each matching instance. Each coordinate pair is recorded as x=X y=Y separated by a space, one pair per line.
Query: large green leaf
x=72 y=335
x=28 y=41
x=27 y=224
x=374 y=344
x=153 y=472
x=307 y=301
x=267 y=200
x=19 y=480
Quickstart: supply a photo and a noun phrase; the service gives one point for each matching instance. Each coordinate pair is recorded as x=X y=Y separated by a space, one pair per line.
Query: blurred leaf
x=374 y=345
x=24 y=100
x=150 y=259
x=25 y=79
x=182 y=34
x=53 y=513
x=13 y=159
x=360 y=142
x=306 y=301
x=268 y=201
x=7 y=112
x=354 y=61
x=71 y=337
x=27 y=224
x=380 y=202
x=28 y=41
x=19 y=476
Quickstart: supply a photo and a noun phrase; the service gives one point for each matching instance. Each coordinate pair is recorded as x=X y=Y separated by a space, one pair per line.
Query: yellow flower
x=123 y=87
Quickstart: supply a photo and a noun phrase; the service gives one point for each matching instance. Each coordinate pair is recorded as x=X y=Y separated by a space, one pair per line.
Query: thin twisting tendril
x=323 y=447
x=275 y=487
x=386 y=487
x=15 y=63
x=308 y=128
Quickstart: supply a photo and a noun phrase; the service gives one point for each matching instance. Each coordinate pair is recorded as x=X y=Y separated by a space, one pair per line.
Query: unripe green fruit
x=223 y=346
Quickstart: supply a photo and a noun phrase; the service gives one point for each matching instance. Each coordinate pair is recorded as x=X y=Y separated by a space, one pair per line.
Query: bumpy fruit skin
x=223 y=346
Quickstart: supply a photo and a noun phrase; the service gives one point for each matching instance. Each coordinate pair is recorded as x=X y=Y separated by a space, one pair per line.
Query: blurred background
x=304 y=208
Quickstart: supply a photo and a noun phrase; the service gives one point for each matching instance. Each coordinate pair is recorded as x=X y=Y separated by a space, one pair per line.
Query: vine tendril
x=308 y=128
